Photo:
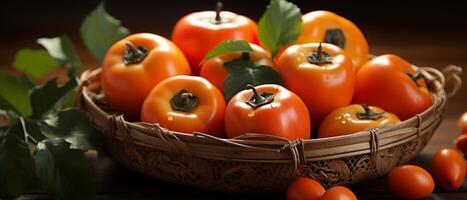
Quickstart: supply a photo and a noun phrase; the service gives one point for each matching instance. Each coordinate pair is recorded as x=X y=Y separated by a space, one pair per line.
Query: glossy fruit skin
x=449 y=169
x=461 y=143
x=305 y=189
x=410 y=182
x=126 y=86
x=197 y=33
x=207 y=116
x=344 y=121
x=286 y=116
x=383 y=82
x=214 y=70
x=338 y=193
x=317 y=23
x=462 y=123
x=322 y=88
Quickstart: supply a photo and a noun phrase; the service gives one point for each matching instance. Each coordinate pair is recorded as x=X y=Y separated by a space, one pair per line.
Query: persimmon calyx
x=319 y=57
x=336 y=37
x=369 y=113
x=133 y=54
x=415 y=77
x=184 y=101
x=259 y=99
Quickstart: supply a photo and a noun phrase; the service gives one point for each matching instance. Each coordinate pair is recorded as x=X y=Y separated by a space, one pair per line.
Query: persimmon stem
x=415 y=77
x=319 y=57
x=183 y=101
x=369 y=113
x=259 y=99
x=218 y=18
x=320 y=52
x=133 y=54
x=185 y=98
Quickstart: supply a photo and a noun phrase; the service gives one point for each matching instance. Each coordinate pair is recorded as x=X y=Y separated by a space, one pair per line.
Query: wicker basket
x=230 y=165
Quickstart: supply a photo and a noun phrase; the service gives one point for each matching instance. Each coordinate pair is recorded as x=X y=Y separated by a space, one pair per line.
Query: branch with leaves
x=44 y=115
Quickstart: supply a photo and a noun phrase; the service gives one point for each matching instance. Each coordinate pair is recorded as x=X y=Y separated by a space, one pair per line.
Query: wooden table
x=115 y=182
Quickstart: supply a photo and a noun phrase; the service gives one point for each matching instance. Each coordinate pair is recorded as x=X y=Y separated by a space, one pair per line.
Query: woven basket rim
x=202 y=145
x=436 y=92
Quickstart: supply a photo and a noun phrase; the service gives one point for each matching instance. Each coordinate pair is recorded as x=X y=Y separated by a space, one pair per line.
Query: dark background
x=160 y=15
x=426 y=33
x=434 y=23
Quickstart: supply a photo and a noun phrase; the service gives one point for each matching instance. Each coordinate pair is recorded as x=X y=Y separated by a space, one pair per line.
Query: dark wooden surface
x=115 y=182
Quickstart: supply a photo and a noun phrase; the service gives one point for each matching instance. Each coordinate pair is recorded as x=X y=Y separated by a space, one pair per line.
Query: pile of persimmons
x=291 y=76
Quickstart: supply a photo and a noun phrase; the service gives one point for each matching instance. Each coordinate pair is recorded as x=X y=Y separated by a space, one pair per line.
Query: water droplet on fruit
x=344 y=121
x=170 y=118
x=251 y=114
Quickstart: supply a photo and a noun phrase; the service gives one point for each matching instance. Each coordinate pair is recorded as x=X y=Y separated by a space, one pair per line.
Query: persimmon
x=134 y=65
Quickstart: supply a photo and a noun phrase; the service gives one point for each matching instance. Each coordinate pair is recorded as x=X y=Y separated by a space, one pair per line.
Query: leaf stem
x=25 y=131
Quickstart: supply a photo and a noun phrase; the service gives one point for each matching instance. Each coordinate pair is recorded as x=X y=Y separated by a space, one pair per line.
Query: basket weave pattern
x=234 y=165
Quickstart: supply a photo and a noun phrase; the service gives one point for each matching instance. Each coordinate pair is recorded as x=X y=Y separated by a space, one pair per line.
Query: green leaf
x=100 y=30
x=47 y=97
x=73 y=126
x=69 y=99
x=228 y=46
x=27 y=82
x=14 y=94
x=6 y=106
x=64 y=172
x=63 y=51
x=280 y=25
x=243 y=72
x=34 y=131
x=16 y=164
x=37 y=63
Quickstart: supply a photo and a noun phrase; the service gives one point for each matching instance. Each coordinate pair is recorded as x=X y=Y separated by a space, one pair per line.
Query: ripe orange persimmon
x=321 y=74
x=392 y=84
x=186 y=104
x=267 y=109
x=448 y=169
x=410 y=182
x=305 y=189
x=325 y=26
x=338 y=193
x=197 y=33
x=134 y=65
x=354 y=118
